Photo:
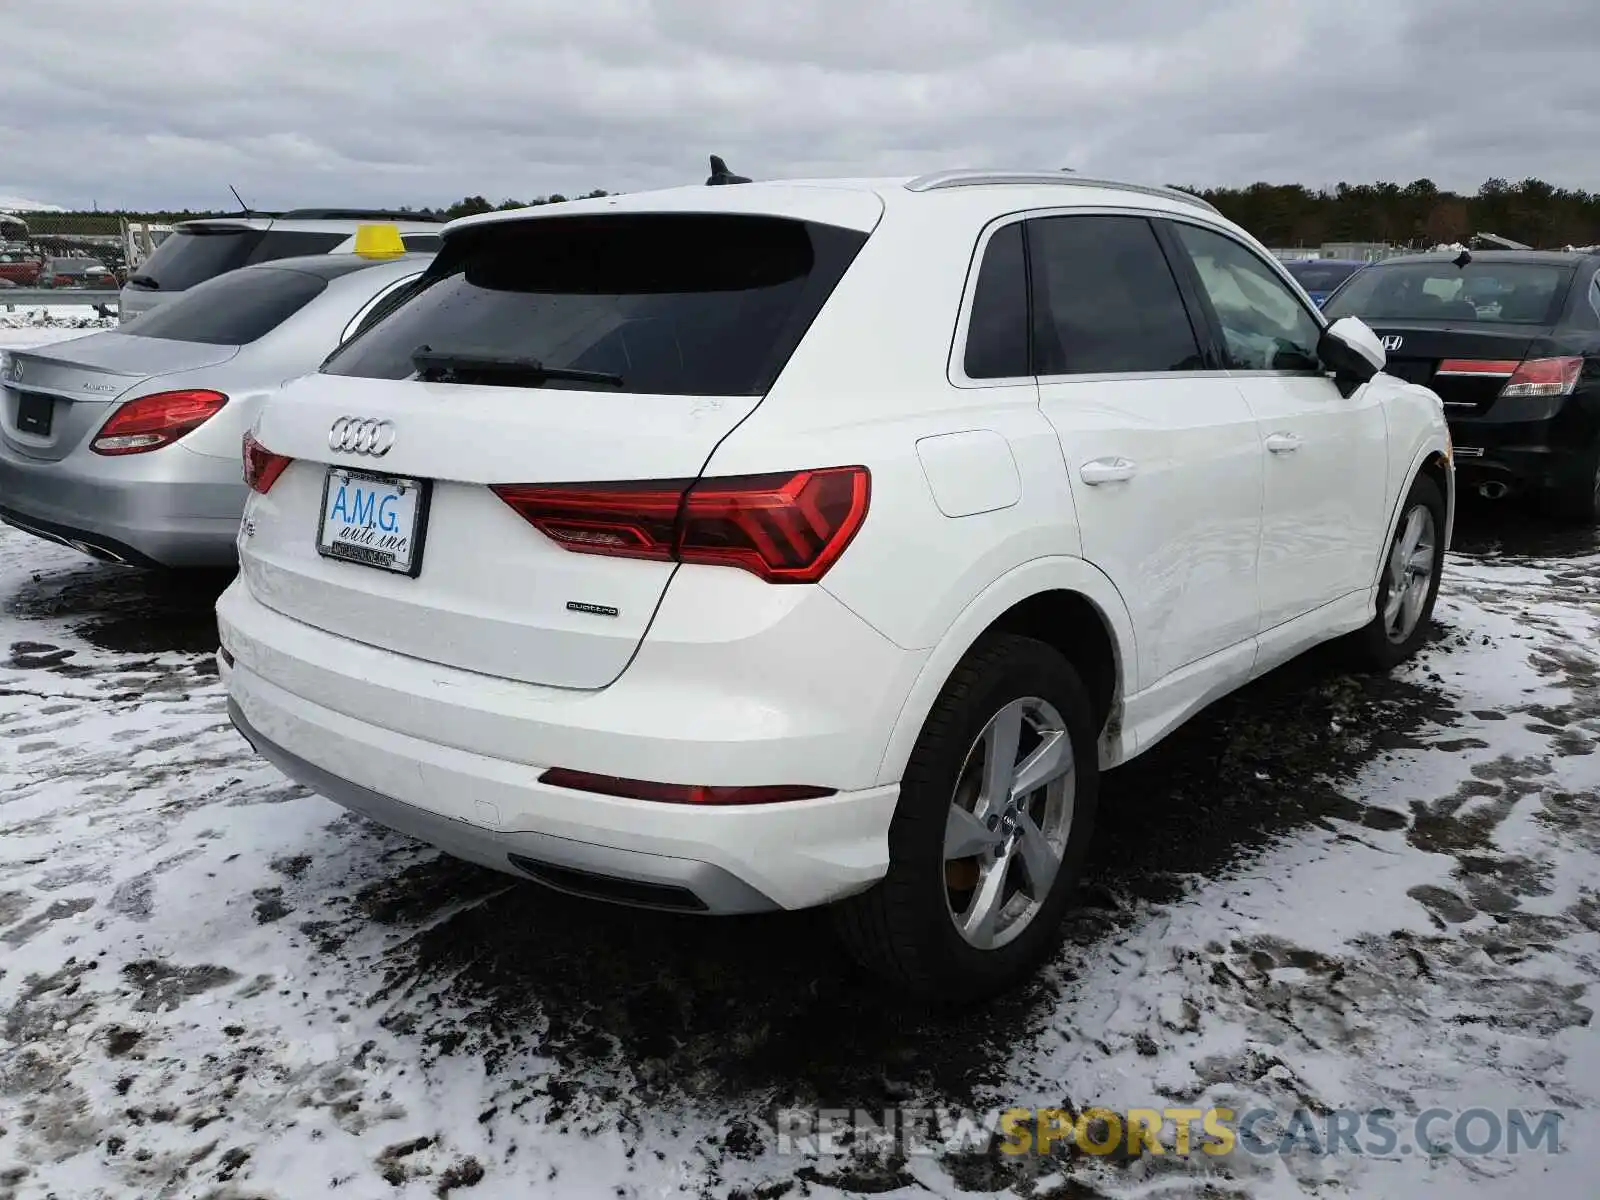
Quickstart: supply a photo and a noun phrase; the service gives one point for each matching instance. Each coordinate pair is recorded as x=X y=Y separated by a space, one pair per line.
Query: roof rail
x=359 y=214
x=939 y=180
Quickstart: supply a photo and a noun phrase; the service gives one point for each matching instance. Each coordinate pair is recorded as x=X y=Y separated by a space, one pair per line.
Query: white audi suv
x=725 y=549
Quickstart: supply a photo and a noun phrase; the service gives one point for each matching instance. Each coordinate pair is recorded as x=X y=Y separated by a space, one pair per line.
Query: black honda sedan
x=1510 y=340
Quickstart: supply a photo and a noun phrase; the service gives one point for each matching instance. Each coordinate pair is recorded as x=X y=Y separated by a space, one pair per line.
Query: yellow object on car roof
x=379 y=241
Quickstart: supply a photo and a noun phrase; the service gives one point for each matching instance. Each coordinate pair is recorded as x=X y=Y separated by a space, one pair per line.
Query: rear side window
x=997 y=332
x=673 y=304
x=288 y=244
x=193 y=256
x=1105 y=300
x=422 y=243
x=230 y=310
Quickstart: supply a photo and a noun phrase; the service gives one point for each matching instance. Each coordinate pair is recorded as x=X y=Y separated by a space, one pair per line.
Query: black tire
x=904 y=929
x=1376 y=644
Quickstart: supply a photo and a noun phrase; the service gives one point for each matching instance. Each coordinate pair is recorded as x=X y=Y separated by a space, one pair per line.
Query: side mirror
x=1351 y=350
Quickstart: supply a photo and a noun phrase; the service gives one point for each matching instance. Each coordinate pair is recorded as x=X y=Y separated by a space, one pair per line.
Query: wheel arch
x=1432 y=460
x=1065 y=602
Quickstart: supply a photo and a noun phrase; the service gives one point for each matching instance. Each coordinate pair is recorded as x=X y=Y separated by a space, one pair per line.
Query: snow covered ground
x=23 y=325
x=1330 y=891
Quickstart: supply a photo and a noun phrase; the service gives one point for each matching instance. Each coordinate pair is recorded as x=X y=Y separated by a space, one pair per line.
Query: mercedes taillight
x=151 y=422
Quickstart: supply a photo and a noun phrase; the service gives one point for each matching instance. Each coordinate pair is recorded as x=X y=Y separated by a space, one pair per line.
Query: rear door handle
x=1282 y=443
x=1107 y=470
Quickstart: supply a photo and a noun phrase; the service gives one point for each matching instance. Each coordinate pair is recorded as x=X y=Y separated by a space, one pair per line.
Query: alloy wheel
x=1008 y=823
x=1411 y=563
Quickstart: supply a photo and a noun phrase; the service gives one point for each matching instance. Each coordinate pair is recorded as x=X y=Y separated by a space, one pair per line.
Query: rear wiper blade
x=431 y=362
x=145 y=281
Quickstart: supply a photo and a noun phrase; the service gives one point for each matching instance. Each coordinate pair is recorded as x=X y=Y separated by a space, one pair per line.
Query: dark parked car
x=1510 y=340
x=1321 y=277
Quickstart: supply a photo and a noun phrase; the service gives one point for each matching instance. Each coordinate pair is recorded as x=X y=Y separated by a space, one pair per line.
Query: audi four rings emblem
x=361 y=435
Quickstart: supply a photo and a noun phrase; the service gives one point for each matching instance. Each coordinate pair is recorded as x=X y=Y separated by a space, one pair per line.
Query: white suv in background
x=789 y=544
x=196 y=251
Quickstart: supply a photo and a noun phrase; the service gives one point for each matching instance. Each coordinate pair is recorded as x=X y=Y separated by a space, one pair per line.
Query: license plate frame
x=35 y=413
x=349 y=553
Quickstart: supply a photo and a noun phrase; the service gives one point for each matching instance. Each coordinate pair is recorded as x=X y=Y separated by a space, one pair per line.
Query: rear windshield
x=1509 y=293
x=230 y=310
x=1320 y=276
x=673 y=304
x=288 y=243
x=192 y=256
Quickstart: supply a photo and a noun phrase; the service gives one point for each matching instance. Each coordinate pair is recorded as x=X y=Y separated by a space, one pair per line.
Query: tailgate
x=492 y=594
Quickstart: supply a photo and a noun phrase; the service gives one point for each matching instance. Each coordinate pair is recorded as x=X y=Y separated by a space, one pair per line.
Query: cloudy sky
x=166 y=102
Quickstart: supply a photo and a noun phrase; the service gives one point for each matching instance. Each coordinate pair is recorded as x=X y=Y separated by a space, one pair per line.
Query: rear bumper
x=180 y=511
x=1519 y=467
x=454 y=758
x=567 y=864
x=1550 y=451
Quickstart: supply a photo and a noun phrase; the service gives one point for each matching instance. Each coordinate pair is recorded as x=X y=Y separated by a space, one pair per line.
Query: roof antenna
x=243 y=207
x=1462 y=259
x=720 y=173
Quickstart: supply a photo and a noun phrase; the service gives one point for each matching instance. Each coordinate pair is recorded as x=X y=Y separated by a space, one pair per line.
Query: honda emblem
x=1392 y=341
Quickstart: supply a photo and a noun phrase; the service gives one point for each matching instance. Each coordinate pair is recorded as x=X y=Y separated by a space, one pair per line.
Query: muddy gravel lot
x=1331 y=891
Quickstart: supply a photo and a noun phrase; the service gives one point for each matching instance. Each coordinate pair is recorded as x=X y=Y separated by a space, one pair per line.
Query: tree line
x=1415 y=214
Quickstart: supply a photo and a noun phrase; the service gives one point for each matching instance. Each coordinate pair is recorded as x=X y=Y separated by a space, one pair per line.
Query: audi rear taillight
x=261 y=466
x=1529 y=377
x=786 y=528
x=680 y=793
x=151 y=422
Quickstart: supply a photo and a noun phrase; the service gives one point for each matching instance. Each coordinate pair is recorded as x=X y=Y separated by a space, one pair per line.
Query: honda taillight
x=680 y=793
x=261 y=466
x=1483 y=368
x=1532 y=377
x=151 y=422
x=1545 y=377
x=786 y=528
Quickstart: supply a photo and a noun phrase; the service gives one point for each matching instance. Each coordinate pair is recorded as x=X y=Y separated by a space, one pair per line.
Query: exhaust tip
x=1493 y=490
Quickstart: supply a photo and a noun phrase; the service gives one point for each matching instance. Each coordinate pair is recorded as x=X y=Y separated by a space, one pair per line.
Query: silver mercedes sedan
x=126 y=444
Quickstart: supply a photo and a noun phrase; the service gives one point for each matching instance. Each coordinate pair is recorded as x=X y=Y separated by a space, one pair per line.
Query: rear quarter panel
x=869 y=382
x=247 y=381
